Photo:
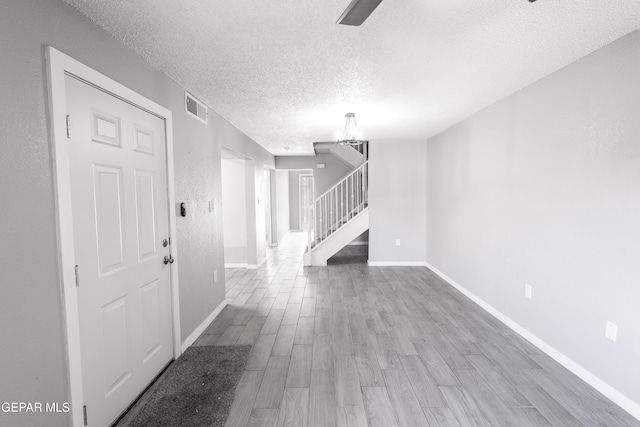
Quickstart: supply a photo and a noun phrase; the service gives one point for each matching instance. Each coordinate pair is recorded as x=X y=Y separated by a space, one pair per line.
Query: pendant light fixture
x=350 y=135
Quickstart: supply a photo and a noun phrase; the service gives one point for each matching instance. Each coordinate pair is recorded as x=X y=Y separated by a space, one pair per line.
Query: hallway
x=352 y=345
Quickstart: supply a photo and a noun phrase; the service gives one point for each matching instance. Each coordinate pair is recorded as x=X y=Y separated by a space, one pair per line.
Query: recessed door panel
x=146 y=219
x=150 y=319
x=114 y=342
x=105 y=128
x=108 y=208
x=143 y=139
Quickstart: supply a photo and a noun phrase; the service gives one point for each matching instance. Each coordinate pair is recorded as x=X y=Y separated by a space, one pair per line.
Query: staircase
x=339 y=215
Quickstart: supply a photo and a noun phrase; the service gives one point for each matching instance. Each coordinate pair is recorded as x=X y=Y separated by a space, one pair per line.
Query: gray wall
x=32 y=359
x=323 y=179
x=544 y=188
x=282 y=204
x=397 y=200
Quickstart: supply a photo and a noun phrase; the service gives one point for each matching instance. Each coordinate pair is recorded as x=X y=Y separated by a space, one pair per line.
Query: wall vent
x=195 y=108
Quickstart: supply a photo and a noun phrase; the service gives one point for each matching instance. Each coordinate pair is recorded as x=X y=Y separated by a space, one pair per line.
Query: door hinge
x=77 y=277
x=68 y=127
x=84 y=412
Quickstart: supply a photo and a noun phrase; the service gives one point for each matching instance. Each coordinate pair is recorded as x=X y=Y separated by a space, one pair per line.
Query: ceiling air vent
x=195 y=108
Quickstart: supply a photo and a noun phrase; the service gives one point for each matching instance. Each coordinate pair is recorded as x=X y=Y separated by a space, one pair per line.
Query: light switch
x=611 y=331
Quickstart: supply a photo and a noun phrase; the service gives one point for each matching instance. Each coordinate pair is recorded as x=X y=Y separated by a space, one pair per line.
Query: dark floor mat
x=196 y=390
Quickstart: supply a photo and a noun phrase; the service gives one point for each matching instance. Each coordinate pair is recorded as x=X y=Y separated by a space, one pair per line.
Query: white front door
x=120 y=215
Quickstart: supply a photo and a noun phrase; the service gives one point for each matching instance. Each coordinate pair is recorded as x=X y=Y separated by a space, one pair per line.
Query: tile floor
x=352 y=345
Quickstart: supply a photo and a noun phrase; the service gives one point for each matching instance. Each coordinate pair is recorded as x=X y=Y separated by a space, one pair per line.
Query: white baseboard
x=235 y=265
x=618 y=398
x=396 y=263
x=245 y=265
x=358 y=243
x=256 y=266
x=201 y=328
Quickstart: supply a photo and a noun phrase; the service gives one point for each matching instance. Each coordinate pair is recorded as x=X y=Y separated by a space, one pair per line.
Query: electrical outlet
x=397 y=242
x=212 y=206
x=611 y=331
x=215 y=276
x=528 y=290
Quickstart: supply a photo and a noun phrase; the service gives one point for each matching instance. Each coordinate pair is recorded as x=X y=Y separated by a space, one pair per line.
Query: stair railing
x=364 y=150
x=338 y=205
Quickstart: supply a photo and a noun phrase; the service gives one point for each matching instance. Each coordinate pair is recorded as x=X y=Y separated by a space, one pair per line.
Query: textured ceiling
x=284 y=73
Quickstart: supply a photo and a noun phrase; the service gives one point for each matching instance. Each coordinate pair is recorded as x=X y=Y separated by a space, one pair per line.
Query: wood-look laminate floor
x=352 y=345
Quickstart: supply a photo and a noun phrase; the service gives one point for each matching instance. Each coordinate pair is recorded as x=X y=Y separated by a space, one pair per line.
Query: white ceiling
x=284 y=73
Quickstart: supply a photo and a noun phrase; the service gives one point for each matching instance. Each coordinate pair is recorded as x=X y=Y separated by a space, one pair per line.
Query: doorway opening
x=236 y=193
x=306 y=199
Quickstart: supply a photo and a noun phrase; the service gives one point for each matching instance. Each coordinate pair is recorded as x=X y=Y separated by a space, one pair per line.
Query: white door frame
x=300 y=207
x=269 y=205
x=60 y=64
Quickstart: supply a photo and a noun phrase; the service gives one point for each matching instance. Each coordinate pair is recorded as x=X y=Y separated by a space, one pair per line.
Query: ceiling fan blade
x=358 y=11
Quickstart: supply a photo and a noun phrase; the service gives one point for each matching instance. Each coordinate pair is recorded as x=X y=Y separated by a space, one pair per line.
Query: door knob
x=168 y=259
